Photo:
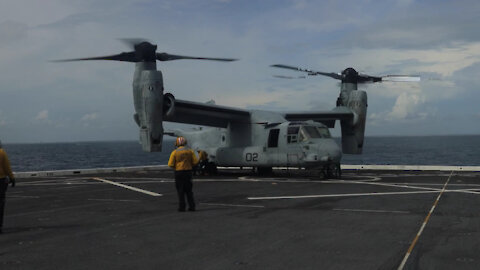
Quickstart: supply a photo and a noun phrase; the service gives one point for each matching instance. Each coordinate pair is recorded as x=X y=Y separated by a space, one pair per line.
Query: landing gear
x=332 y=171
x=211 y=168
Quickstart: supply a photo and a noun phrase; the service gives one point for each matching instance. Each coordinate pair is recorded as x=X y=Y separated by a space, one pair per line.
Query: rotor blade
x=169 y=57
x=400 y=78
x=291 y=67
x=363 y=78
x=125 y=56
x=310 y=72
x=328 y=74
x=289 y=77
x=131 y=42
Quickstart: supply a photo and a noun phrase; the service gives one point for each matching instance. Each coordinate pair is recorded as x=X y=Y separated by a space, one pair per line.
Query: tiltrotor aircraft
x=247 y=138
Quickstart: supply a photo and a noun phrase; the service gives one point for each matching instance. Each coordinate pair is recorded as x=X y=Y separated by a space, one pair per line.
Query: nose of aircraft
x=326 y=151
x=335 y=152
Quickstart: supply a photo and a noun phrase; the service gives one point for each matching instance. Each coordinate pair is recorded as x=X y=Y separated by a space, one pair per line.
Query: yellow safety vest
x=5 y=169
x=182 y=159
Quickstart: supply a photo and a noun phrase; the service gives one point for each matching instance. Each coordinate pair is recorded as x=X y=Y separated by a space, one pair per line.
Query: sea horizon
x=447 y=150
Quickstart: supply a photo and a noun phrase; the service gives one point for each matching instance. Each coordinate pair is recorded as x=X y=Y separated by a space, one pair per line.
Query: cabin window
x=273 y=137
x=292 y=134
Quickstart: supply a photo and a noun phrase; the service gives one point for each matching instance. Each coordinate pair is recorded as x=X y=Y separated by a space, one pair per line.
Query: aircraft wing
x=328 y=118
x=189 y=112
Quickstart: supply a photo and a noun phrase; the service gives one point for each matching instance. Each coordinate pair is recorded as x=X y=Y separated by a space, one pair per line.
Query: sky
x=42 y=101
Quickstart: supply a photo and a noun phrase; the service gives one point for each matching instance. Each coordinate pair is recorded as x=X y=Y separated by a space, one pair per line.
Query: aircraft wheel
x=326 y=172
x=330 y=171
x=336 y=171
x=211 y=168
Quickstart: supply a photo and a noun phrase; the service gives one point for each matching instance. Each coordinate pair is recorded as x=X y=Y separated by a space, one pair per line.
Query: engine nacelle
x=353 y=130
x=150 y=110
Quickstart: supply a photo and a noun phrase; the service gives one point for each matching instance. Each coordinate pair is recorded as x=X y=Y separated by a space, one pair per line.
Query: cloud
x=391 y=37
x=12 y=32
x=42 y=116
x=3 y=119
x=407 y=106
x=89 y=117
x=408 y=26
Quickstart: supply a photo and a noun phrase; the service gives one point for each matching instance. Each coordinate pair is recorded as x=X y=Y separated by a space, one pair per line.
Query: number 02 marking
x=251 y=157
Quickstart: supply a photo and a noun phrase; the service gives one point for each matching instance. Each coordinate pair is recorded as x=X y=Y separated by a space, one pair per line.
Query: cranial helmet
x=181 y=141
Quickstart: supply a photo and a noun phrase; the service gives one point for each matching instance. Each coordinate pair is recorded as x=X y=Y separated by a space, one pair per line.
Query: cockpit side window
x=303 y=133
x=312 y=131
x=324 y=132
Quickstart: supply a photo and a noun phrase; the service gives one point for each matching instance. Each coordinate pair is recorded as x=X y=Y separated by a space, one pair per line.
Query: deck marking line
x=22 y=197
x=414 y=242
x=128 y=187
x=112 y=200
x=469 y=191
x=342 y=195
x=234 y=205
x=372 y=210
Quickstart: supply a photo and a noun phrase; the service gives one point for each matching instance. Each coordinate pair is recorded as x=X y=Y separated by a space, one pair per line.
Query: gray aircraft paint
x=148 y=103
x=238 y=137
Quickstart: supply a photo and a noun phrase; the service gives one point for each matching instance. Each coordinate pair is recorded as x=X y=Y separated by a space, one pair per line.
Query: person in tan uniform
x=183 y=160
x=6 y=177
x=202 y=161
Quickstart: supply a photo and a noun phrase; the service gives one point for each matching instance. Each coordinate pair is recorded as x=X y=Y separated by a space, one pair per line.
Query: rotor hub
x=349 y=75
x=145 y=51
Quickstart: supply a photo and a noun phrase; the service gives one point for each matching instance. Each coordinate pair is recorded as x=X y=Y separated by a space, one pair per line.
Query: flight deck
x=371 y=218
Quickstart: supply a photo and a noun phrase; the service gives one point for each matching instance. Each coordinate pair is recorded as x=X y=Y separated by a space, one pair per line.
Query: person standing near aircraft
x=202 y=161
x=183 y=160
x=6 y=177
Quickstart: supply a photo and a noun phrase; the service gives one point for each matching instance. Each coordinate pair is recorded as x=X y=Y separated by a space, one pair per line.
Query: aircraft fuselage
x=292 y=144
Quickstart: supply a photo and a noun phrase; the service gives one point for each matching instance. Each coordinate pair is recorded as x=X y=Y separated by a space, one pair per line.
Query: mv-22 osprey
x=235 y=137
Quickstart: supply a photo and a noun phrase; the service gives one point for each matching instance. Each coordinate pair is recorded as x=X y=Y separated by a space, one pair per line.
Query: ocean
x=411 y=150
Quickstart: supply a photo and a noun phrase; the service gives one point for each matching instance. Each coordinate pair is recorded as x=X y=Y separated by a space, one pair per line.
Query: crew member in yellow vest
x=6 y=177
x=183 y=160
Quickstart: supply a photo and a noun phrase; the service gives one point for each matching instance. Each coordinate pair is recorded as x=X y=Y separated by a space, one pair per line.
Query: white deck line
x=89 y=171
x=412 y=168
x=165 y=167
x=128 y=187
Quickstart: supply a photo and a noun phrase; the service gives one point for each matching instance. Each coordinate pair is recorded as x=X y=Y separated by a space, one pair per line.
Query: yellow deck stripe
x=414 y=242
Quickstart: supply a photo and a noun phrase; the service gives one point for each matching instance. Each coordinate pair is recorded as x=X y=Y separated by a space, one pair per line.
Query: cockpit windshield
x=317 y=132
x=303 y=133
x=324 y=132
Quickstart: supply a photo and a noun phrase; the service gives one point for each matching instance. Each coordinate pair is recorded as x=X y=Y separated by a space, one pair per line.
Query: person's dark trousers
x=183 y=183
x=3 y=189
